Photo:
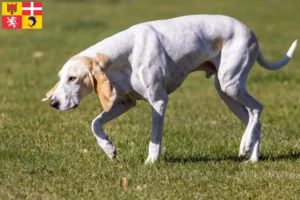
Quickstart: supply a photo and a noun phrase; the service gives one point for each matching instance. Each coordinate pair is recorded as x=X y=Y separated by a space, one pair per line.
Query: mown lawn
x=46 y=154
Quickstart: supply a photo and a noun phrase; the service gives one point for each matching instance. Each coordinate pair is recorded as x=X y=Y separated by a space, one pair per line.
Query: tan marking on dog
x=217 y=43
x=102 y=87
x=88 y=81
x=103 y=60
x=50 y=93
x=98 y=80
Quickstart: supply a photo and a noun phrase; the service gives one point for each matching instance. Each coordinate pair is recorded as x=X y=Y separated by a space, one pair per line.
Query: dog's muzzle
x=54 y=103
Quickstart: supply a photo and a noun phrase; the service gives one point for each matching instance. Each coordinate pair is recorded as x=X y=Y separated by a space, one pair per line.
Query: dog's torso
x=150 y=60
x=166 y=50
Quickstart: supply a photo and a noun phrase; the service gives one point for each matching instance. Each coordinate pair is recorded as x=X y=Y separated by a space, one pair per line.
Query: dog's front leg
x=158 y=108
x=116 y=110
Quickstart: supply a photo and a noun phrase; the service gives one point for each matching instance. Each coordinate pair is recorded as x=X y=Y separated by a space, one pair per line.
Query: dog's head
x=78 y=78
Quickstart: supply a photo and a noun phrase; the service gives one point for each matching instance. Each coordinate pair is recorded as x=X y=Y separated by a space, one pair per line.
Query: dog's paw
x=243 y=151
x=245 y=147
x=252 y=160
x=110 y=151
x=150 y=160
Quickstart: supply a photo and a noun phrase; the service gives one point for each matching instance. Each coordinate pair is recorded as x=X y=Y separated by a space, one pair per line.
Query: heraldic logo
x=22 y=15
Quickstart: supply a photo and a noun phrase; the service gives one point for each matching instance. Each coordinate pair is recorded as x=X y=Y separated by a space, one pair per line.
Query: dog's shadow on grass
x=218 y=158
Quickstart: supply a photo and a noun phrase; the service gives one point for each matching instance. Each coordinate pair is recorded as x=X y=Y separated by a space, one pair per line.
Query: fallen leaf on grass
x=38 y=54
x=137 y=188
x=212 y=122
x=83 y=150
x=119 y=165
x=2 y=117
x=124 y=183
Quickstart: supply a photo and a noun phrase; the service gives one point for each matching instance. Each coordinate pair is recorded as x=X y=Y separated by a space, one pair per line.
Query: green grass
x=50 y=155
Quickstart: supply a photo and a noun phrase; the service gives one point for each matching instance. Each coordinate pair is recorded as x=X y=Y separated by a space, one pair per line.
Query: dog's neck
x=117 y=47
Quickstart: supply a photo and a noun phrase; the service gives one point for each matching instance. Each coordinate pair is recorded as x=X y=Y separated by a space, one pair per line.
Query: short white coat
x=150 y=60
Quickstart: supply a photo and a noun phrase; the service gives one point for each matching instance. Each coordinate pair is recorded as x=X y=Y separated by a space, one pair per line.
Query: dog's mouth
x=72 y=107
x=67 y=108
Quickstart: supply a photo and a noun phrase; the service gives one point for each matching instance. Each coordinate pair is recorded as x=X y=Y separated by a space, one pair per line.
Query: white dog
x=148 y=61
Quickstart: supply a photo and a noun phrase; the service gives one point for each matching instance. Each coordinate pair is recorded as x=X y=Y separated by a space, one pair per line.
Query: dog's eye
x=72 y=78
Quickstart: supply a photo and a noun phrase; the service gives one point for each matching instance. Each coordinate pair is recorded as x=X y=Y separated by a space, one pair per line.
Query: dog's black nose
x=54 y=103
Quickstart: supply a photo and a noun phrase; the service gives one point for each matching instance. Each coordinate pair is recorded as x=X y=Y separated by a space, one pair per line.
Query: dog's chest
x=176 y=79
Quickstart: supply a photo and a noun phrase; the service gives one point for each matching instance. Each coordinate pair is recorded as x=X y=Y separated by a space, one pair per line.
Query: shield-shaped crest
x=11 y=8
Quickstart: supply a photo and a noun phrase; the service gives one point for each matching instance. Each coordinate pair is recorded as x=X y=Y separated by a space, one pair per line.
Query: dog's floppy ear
x=50 y=93
x=101 y=84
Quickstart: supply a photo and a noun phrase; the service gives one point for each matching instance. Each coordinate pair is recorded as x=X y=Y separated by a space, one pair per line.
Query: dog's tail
x=276 y=65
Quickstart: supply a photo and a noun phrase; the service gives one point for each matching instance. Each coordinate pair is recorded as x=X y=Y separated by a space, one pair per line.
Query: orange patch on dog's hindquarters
x=217 y=43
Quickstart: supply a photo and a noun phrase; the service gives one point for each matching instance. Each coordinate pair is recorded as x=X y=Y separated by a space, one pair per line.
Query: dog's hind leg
x=254 y=108
x=118 y=108
x=241 y=112
x=232 y=76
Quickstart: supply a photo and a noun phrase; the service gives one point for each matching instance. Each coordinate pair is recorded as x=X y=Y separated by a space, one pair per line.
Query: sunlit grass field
x=46 y=154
